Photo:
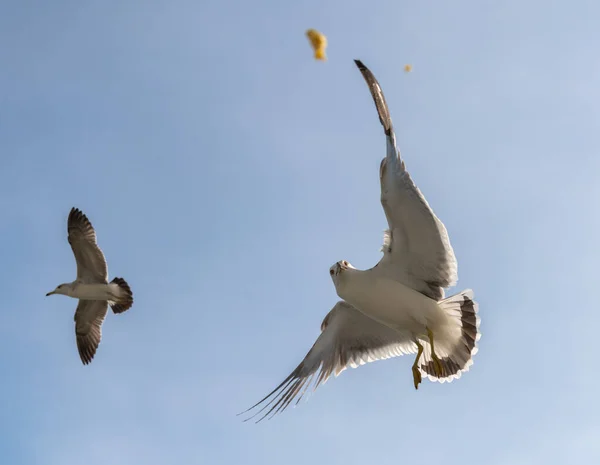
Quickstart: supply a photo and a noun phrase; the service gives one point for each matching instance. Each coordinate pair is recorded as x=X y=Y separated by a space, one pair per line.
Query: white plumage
x=398 y=306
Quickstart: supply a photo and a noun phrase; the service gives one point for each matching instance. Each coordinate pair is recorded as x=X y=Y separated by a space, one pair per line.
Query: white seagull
x=398 y=306
x=91 y=287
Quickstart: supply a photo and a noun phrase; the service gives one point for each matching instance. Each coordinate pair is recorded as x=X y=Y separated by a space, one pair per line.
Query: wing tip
x=77 y=216
x=378 y=97
x=86 y=350
x=74 y=213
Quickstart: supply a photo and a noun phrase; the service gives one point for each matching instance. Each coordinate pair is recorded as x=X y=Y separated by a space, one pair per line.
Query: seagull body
x=91 y=287
x=387 y=301
x=100 y=291
x=398 y=306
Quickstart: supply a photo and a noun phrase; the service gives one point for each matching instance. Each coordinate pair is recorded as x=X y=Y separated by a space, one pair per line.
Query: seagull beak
x=49 y=293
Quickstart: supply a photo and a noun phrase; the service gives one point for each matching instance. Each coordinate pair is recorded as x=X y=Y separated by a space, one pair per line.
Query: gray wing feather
x=89 y=317
x=417 y=249
x=348 y=339
x=91 y=264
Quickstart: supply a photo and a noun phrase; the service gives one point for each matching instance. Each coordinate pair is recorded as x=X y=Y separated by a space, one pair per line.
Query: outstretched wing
x=91 y=264
x=417 y=250
x=89 y=317
x=348 y=339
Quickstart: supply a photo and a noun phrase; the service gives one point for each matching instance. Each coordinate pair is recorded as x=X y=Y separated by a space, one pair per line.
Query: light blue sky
x=225 y=171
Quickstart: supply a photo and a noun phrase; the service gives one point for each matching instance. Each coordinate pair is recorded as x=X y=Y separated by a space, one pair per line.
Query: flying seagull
x=91 y=287
x=398 y=306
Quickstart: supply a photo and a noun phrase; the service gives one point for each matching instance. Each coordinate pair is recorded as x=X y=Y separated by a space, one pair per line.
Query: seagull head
x=337 y=269
x=61 y=289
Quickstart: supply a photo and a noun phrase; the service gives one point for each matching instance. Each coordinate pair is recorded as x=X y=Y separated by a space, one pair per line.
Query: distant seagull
x=91 y=287
x=398 y=306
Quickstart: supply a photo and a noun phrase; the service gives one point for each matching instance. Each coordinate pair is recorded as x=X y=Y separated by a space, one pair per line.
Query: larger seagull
x=398 y=306
x=91 y=287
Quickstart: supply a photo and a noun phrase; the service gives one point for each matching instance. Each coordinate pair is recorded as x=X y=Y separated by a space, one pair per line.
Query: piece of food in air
x=408 y=68
x=318 y=42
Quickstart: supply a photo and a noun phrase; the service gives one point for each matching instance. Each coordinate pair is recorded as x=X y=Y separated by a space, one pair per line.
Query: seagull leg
x=415 y=369
x=436 y=361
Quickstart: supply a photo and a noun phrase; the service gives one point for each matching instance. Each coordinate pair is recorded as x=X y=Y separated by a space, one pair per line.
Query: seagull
x=91 y=287
x=398 y=306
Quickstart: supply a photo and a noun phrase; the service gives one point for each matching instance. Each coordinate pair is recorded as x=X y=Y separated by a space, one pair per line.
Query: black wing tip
x=378 y=97
x=277 y=395
x=255 y=414
x=87 y=355
x=77 y=214
x=360 y=64
x=74 y=212
x=87 y=348
x=78 y=219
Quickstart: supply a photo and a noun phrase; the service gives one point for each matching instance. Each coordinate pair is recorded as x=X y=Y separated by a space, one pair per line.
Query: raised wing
x=91 y=264
x=89 y=317
x=348 y=339
x=417 y=250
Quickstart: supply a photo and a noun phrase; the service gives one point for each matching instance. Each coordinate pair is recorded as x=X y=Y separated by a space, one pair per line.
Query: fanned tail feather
x=124 y=297
x=462 y=310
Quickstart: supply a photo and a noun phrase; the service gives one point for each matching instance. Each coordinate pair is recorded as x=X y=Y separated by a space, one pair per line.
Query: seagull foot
x=416 y=376
x=439 y=371
x=437 y=365
x=415 y=370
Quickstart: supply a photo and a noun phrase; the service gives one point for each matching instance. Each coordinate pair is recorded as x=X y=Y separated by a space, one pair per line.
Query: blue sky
x=225 y=171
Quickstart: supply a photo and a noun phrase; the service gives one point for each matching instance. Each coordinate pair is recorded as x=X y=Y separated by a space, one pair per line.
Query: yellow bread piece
x=318 y=42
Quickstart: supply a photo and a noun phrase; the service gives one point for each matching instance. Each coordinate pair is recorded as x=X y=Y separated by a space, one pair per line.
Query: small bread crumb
x=408 y=68
x=318 y=42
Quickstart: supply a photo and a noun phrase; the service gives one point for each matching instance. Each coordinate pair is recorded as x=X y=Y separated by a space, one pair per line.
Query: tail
x=123 y=294
x=457 y=357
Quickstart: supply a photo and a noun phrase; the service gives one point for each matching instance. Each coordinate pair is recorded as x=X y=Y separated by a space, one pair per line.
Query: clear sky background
x=225 y=170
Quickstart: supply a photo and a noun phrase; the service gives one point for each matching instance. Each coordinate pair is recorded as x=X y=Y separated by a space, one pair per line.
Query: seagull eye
x=331 y=272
